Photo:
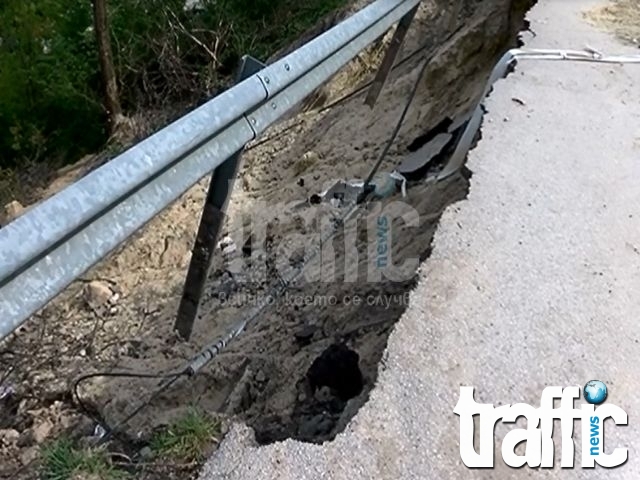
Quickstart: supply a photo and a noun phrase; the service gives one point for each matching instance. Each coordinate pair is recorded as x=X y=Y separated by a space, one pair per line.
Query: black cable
x=170 y=379
x=142 y=406
x=98 y=419
x=209 y=353
x=340 y=100
x=398 y=126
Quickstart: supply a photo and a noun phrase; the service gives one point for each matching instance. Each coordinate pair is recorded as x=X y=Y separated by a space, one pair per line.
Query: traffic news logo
x=539 y=451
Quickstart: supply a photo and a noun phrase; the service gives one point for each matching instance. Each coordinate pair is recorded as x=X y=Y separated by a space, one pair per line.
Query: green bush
x=49 y=105
x=50 y=85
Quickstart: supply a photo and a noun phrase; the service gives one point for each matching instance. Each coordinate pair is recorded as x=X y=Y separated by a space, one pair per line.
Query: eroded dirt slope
x=121 y=315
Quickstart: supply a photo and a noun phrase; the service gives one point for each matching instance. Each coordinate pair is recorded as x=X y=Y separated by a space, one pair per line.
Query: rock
x=9 y=436
x=42 y=431
x=11 y=211
x=28 y=455
x=323 y=395
x=261 y=377
x=226 y=286
x=146 y=453
x=310 y=158
x=304 y=335
x=174 y=253
x=27 y=438
x=97 y=294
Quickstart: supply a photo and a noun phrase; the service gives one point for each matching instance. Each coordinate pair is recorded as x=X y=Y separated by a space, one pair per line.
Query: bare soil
x=621 y=17
x=304 y=367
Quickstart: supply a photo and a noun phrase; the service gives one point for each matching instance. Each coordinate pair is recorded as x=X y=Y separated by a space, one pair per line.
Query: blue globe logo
x=595 y=392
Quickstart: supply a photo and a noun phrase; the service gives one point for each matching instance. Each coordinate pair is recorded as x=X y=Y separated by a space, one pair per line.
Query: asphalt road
x=534 y=281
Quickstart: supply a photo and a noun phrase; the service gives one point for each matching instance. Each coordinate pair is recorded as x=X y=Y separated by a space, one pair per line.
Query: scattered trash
x=415 y=164
x=403 y=182
x=341 y=193
x=227 y=245
x=344 y=192
x=99 y=431
x=386 y=184
x=6 y=391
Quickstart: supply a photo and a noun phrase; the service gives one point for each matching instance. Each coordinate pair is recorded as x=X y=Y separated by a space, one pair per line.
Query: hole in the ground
x=338 y=369
x=330 y=354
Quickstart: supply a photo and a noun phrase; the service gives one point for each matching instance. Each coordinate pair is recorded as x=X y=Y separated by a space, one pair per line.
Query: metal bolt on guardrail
x=54 y=243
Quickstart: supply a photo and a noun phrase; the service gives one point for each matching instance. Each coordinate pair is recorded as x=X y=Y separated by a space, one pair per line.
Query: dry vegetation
x=621 y=17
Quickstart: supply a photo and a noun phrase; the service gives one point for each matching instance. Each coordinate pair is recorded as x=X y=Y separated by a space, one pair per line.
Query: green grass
x=188 y=438
x=62 y=460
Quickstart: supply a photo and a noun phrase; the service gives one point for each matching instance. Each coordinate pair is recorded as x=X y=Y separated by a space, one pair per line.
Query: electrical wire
x=168 y=380
x=349 y=95
x=398 y=126
x=213 y=349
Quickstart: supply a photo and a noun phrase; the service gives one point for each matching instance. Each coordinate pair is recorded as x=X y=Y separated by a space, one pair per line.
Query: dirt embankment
x=305 y=366
x=621 y=17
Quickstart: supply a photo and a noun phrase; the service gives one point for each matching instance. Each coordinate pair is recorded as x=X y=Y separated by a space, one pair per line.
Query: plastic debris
x=228 y=246
x=342 y=192
x=6 y=391
x=403 y=182
x=386 y=184
x=99 y=431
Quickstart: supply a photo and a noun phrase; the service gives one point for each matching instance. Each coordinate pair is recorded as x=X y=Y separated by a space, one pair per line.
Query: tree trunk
x=109 y=80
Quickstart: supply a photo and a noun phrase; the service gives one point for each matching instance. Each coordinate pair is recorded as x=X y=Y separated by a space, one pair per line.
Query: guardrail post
x=210 y=223
x=390 y=57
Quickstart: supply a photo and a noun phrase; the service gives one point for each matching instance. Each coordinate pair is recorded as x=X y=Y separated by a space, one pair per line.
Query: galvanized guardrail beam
x=54 y=243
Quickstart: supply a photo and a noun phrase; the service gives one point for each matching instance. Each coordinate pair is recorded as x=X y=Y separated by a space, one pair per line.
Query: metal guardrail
x=54 y=243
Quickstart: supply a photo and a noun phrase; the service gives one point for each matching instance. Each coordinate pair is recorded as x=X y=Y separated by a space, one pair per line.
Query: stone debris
x=10 y=212
x=98 y=293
